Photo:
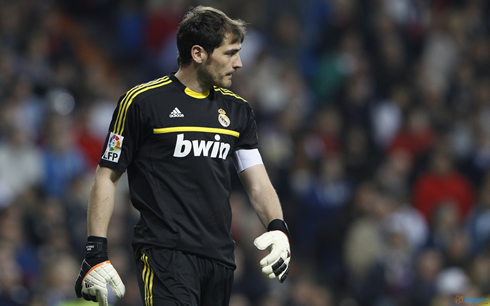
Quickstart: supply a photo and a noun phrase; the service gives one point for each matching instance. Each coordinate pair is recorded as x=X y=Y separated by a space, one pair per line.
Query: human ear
x=198 y=54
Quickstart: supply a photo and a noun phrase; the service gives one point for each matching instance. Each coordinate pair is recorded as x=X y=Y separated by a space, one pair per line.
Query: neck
x=188 y=76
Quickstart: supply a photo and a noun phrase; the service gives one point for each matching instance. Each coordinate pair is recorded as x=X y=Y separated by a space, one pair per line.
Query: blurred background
x=374 y=125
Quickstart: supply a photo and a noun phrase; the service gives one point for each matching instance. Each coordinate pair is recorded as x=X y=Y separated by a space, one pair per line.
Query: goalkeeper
x=175 y=136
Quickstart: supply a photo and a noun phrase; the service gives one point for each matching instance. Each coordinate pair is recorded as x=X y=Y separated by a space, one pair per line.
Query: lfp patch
x=113 y=150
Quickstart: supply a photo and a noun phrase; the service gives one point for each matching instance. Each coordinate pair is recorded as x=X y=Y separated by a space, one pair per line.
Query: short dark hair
x=206 y=27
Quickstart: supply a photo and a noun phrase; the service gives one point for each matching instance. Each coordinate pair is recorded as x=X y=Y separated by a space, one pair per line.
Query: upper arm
x=126 y=131
x=248 y=132
x=104 y=174
x=244 y=159
x=254 y=178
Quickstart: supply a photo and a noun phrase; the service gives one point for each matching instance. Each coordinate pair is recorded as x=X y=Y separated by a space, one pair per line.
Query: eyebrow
x=234 y=50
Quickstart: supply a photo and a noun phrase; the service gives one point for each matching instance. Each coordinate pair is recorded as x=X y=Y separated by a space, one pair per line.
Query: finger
x=117 y=286
x=274 y=256
x=89 y=297
x=263 y=241
x=78 y=287
x=270 y=275
x=102 y=298
x=110 y=275
x=279 y=267
x=94 y=287
x=270 y=259
x=271 y=268
x=283 y=276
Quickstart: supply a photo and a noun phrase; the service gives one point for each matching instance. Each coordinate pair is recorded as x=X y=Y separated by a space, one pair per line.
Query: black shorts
x=170 y=277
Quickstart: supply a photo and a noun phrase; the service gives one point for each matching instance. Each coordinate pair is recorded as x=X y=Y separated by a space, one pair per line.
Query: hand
x=276 y=264
x=96 y=272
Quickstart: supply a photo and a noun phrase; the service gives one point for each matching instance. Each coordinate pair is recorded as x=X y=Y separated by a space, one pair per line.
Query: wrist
x=97 y=239
x=278 y=225
x=96 y=250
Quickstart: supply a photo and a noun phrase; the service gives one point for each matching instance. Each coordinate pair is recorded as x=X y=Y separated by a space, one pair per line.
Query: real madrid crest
x=223 y=118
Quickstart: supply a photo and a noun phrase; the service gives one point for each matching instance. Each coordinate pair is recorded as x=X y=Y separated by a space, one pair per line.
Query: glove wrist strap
x=278 y=225
x=96 y=250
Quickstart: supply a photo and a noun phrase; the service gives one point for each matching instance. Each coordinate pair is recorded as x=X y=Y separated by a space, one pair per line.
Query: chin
x=226 y=83
x=223 y=84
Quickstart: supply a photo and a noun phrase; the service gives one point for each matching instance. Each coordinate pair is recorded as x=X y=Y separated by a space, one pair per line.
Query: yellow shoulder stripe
x=128 y=99
x=229 y=93
x=195 y=129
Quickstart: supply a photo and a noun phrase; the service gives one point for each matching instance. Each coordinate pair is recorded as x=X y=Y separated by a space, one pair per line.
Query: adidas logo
x=176 y=113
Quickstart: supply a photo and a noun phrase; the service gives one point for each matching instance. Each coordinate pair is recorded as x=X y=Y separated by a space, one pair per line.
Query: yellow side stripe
x=195 y=129
x=144 y=277
x=128 y=99
x=147 y=280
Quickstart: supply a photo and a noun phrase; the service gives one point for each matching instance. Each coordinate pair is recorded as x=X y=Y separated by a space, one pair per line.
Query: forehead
x=229 y=43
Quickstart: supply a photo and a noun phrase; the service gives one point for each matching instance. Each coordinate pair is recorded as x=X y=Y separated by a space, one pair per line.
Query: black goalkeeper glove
x=276 y=264
x=96 y=272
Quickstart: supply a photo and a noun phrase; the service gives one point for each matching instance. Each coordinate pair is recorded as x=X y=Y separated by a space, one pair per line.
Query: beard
x=210 y=79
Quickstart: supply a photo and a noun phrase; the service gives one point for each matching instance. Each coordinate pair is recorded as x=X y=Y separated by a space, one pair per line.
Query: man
x=175 y=136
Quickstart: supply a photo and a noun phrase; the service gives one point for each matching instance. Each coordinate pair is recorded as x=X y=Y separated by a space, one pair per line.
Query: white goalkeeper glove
x=276 y=264
x=96 y=272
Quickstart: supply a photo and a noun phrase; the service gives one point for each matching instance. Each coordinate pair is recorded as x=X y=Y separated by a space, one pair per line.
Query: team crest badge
x=223 y=118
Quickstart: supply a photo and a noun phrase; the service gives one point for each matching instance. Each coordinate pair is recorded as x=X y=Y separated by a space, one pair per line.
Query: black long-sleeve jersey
x=176 y=145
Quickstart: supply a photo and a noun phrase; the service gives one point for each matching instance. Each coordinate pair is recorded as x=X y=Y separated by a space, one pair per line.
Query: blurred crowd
x=374 y=125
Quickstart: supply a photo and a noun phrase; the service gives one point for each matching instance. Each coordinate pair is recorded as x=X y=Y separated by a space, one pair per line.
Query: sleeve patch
x=113 y=150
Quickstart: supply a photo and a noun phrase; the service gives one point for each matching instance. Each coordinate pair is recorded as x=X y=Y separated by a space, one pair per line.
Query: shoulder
x=145 y=90
x=229 y=95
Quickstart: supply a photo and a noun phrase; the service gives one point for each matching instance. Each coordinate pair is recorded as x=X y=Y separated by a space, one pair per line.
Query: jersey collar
x=209 y=94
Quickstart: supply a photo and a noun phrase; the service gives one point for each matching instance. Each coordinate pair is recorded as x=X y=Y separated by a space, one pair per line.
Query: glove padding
x=92 y=281
x=276 y=264
x=96 y=272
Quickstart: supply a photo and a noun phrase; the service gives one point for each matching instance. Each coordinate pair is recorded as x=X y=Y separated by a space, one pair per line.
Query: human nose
x=238 y=62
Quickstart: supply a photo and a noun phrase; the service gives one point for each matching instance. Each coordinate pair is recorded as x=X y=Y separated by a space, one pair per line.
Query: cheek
x=222 y=66
x=214 y=69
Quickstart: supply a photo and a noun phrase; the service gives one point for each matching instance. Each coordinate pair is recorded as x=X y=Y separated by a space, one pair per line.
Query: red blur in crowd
x=442 y=184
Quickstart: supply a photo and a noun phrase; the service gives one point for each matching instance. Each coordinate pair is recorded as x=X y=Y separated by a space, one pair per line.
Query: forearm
x=96 y=270
x=262 y=194
x=266 y=204
x=101 y=202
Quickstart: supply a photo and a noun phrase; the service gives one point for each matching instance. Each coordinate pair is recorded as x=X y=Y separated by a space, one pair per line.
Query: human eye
x=232 y=52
